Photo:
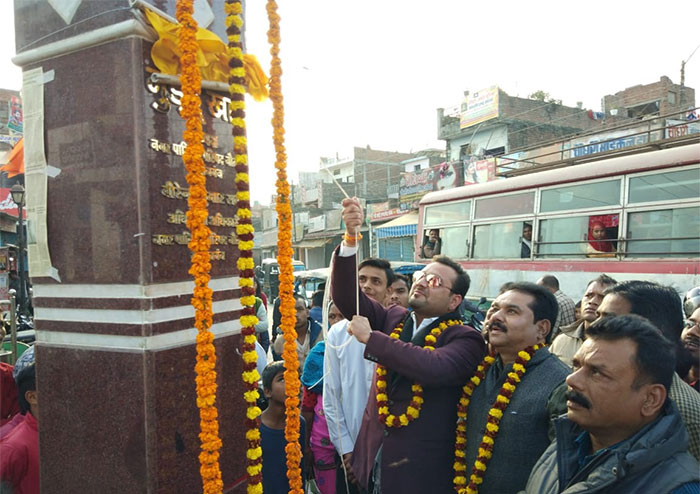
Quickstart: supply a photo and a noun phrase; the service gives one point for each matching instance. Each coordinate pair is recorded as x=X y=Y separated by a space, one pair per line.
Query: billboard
x=15 y=119
x=478 y=171
x=414 y=186
x=479 y=107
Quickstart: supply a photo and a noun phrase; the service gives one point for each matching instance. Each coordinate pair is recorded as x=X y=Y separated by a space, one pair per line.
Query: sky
x=374 y=72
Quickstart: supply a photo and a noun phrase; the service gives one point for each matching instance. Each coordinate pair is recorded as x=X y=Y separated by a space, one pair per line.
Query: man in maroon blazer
x=417 y=457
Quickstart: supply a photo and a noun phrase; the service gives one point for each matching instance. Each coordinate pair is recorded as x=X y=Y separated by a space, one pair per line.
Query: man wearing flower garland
x=407 y=435
x=504 y=416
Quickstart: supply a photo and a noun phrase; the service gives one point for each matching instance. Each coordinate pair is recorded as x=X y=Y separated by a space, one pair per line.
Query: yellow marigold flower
x=487 y=440
x=381 y=371
x=495 y=412
x=253 y=412
x=252 y=434
x=254 y=453
x=381 y=385
x=459 y=453
x=459 y=467
x=384 y=410
x=489 y=359
x=518 y=368
x=461 y=440
x=416 y=388
x=418 y=400
x=491 y=427
x=403 y=419
x=480 y=466
x=250 y=357
x=250 y=339
x=524 y=355
x=476 y=380
x=430 y=339
x=245 y=262
x=509 y=387
x=460 y=480
x=502 y=399
x=249 y=321
x=382 y=397
x=246 y=245
x=485 y=453
x=251 y=376
x=390 y=419
x=245 y=282
x=463 y=401
x=243 y=229
x=412 y=412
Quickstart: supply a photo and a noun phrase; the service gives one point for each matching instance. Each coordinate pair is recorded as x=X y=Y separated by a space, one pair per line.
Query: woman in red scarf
x=598 y=245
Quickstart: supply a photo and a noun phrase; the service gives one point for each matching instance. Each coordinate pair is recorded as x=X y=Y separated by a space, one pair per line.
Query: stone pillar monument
x=108 y=253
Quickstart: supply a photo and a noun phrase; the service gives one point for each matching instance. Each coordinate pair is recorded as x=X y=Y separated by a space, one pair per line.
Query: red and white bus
x=632 y=216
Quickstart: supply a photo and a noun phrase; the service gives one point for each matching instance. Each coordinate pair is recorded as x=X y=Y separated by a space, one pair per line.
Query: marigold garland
x=284 y=259
x=199 y=246
x=245 y=231
x=414 y=407
x=492 y=423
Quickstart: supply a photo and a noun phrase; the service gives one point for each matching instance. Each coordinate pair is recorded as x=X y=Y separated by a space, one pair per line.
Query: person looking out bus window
x=526 y=241
x=432 y=244
x=598 y=243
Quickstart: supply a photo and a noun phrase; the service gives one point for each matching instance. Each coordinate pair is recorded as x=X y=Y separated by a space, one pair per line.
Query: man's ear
x=455 y=300
x=543 y=328
x=654 y=399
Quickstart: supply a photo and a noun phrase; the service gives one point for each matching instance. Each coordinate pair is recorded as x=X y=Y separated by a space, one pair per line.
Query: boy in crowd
x=272 y=441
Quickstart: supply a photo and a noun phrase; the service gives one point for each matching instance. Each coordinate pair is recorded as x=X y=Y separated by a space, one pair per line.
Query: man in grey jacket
x=621 y=433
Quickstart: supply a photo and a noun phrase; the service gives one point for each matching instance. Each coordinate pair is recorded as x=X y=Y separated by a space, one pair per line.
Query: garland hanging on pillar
x=199 y=246
x=284 y=259
x=244 y=230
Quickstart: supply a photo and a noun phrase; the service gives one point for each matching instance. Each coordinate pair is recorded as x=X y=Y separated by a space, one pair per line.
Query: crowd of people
x=402 y=396
x=553 y=396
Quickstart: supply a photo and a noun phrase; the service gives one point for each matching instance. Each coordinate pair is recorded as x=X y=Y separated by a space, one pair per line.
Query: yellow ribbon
x=211 y=56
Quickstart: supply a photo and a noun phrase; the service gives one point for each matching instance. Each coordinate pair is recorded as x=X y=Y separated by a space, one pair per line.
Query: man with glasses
x=406 y=441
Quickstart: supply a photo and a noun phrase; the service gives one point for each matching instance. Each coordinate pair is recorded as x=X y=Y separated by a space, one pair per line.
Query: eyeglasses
x=432 y=280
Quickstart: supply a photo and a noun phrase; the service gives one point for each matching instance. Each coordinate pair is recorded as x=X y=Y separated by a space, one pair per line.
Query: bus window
x=667 y=186
x=591 y=195
x=447 y=213
x=491 y=207
x=455 y=242
x=578 y=236
x=666 y=233
x=499 y=241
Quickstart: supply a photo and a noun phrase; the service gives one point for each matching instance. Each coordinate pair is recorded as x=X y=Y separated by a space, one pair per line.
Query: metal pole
x=20 y=264
x=13 y=326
